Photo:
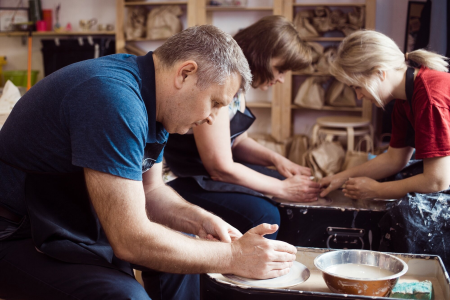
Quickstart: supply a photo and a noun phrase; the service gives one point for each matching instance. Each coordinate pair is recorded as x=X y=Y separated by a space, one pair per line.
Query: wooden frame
x=413 y=25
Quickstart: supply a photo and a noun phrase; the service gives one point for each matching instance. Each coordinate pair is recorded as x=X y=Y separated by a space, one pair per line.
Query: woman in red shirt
x=375 y=67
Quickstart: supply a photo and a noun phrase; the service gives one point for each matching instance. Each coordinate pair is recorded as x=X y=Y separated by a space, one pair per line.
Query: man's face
x=195 y=106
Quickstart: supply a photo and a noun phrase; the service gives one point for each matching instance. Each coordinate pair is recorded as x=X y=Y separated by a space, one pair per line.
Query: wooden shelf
x=144 y=40
x=135 y=3
x=53 y=33
x=330 y=4
x=331 y=108
x=238 y=8
x=324 y=39
x=258 y=104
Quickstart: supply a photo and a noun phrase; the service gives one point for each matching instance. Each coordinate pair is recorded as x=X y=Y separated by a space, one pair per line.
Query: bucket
x=19 y=78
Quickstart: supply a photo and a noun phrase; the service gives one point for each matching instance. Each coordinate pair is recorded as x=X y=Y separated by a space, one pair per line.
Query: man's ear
x=185 y=71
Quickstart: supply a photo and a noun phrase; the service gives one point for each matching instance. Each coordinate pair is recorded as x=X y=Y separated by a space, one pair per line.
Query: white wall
x=15 y=48
x=390 y=20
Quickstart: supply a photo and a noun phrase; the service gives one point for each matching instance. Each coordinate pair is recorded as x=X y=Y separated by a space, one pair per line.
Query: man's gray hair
x=216 y=53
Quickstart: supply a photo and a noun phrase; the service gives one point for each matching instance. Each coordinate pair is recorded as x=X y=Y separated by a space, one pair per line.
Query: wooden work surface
x=337 y=200
x=420 y=267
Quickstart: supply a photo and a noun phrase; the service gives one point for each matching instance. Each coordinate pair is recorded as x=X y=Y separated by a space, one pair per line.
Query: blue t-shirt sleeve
x=108 y=125
x=160 y=157
x=161 y=137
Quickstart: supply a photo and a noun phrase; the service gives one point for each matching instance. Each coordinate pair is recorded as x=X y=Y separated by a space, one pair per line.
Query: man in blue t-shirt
x=82 y=200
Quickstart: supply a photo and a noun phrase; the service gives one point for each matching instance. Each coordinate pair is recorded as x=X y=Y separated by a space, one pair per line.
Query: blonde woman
x=375 y=67
x=223 y=170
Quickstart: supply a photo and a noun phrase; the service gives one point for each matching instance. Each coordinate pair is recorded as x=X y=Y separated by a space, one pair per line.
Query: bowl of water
x=360 y=272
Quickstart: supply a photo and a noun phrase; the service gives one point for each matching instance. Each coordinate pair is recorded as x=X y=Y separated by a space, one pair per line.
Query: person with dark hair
x=82 y=200
x=223 y=170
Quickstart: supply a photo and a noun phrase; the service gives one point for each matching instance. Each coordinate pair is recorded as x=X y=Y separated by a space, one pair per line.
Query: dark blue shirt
x=96 y=114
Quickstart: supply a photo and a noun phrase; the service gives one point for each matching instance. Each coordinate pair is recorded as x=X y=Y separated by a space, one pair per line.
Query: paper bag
x=323 y=64
x=325 y=159
x=316 y=51
x=163 y=22
x=135 y=25
x=339 y=94
x=311 y=94
x=358 y=157
x=299 y=147
x=270 y=143
x=302 y=23
x=322 y=20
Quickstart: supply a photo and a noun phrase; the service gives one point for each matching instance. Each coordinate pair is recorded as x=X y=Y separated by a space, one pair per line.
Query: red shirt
x=430 y=104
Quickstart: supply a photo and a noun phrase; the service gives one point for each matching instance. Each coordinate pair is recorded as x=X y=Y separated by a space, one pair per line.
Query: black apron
x=64 y=224
x=182 y=157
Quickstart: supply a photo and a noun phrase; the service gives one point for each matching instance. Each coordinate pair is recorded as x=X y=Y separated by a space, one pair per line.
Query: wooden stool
x=341 y=126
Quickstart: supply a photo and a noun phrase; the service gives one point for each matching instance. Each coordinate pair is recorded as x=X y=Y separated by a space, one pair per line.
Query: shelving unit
x=122 y=5
x=236 y=8
x=259 y=104
x=281 y=107
x=287 y=94
x=54 y=33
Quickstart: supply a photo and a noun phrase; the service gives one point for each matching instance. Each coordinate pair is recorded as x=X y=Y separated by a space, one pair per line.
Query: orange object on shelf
x=48 y=18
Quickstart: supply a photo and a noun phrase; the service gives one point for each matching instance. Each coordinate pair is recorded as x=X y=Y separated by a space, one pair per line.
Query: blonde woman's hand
x=299 y=188
x=361 y=188
x=331 y=183
x=288 y=168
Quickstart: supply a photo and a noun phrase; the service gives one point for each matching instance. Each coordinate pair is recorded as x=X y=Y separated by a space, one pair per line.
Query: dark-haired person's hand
x=299 y=188
x=361 y=188
x=257 y=257
x=288 y=168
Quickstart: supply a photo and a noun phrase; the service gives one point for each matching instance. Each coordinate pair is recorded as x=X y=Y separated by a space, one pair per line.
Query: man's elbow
x=123 y=252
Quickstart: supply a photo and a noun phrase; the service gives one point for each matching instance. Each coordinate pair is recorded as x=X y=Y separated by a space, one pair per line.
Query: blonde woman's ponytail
x=429 y=59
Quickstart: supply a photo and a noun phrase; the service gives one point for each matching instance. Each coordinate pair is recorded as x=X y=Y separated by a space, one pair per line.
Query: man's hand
x=214 y=228
x=288 y=168
x=331 y=183
x=254 y=256
x=361 y=188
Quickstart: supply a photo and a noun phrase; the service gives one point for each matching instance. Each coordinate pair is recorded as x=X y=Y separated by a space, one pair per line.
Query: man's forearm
x=166 y=207
x=166 y=250
x=119 y=204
